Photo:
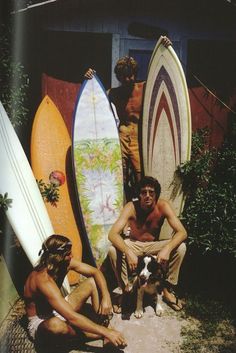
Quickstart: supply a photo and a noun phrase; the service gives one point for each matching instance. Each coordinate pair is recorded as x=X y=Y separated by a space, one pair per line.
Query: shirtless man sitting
x=50 y=315
x=145 y=218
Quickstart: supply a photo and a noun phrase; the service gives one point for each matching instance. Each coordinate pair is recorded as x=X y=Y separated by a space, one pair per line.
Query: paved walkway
x=150 y=334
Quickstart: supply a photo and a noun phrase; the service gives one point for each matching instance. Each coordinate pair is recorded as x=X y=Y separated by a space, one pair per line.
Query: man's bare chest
x=150 y=225
x=146 y=225
x=133 y=105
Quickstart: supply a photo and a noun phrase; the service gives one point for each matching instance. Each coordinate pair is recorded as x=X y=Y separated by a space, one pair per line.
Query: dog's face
x=149 y=271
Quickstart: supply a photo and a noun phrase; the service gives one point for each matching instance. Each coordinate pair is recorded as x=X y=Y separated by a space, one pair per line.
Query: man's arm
x=116 y=239
x=52 y=294
x=180 y=233
x=89 y=271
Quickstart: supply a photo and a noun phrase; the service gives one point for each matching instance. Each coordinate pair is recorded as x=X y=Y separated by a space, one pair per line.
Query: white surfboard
x=97 y=165
x=166 y=128
x=27 y=214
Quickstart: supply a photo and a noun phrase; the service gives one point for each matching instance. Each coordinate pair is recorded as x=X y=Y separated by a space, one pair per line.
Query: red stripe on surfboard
x=163 y=105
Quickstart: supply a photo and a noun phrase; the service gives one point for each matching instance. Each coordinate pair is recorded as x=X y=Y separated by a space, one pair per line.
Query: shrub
x=208 y=181
x=13 y=80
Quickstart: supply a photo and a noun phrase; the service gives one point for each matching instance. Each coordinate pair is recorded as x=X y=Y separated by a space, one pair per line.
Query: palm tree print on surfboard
x=97 y=165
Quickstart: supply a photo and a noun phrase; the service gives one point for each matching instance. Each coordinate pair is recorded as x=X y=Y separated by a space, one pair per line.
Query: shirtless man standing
x=145 y=218
x=128 y=101
x=53 y=317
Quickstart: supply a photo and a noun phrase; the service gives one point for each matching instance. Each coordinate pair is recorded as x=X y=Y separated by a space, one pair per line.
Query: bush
x=13 y=80
x=208 y=181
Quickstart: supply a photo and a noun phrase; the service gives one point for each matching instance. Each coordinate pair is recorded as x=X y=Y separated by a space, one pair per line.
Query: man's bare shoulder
x=139 y=85
x=42 y=279
x=163 y=205
x=162 y=202
x=129 y=208
x=127 y=212
x=38 y=276
x=36 y=281
x=75 y=264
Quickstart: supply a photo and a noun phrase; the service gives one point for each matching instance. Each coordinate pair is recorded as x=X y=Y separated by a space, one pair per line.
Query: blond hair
x=52 y=255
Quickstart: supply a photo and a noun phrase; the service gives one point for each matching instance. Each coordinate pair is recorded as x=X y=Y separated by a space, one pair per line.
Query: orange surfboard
x=50 y=151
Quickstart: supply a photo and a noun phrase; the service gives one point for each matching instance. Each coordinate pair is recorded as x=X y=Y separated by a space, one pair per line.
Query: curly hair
x=52 y=255
x=126 y=67
x=149 y=181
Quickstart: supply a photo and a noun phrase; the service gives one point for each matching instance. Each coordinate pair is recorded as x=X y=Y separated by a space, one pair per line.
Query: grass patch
x=210 y=329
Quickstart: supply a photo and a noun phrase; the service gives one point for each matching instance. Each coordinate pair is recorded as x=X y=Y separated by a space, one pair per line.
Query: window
x=142 y=57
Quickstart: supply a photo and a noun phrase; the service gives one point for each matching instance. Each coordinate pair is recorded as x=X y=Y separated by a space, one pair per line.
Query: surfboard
x=27 y=215
x=50 y=160
x=166 y=125
x=97 y=165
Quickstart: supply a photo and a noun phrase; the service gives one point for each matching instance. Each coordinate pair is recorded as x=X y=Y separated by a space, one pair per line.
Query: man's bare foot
x=116 y=304
x=108 y=344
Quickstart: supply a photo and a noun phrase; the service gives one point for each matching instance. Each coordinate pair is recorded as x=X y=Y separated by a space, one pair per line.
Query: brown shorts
x=129 y=145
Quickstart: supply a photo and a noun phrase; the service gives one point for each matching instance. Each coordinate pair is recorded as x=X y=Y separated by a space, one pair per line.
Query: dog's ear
x=140 y=264
x=157 y=264
x=153 y=265
x=162 y=268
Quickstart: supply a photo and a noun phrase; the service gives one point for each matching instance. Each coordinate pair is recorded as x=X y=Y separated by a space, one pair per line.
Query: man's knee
x=181 y=250
x=56 y=326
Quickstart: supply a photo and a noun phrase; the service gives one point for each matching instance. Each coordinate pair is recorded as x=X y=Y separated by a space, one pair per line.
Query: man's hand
x=105 y=306
x=132 y=260
x=165 y=41
x=164 y=255
x=89 y=74
x=116 y=338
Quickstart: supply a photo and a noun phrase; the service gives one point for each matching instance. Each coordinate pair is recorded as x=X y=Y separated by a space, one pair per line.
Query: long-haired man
x=50 y=315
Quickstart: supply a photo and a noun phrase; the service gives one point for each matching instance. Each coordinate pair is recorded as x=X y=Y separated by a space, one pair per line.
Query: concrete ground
x=150 y=334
